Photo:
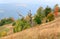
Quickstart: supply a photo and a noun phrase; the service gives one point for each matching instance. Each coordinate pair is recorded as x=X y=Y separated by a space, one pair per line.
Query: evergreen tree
x=39 y=16
x=47 y=10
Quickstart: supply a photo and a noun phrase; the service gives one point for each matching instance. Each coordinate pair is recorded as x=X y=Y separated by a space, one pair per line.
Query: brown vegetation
x=49 y=30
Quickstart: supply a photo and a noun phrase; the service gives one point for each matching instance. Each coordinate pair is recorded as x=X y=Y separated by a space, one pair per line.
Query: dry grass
x=49 y=30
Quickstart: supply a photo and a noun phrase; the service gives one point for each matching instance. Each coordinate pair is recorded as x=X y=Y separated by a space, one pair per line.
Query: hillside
x=49 y=30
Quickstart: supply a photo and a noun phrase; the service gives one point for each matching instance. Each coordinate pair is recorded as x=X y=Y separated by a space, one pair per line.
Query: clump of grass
x=4 y=32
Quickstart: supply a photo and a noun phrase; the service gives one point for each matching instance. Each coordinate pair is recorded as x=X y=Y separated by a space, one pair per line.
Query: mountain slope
x=49 y=30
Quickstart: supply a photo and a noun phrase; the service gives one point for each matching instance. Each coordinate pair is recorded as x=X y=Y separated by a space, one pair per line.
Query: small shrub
x=3 y=33
x=50 y=17
x=37 y=20
x=21 y=25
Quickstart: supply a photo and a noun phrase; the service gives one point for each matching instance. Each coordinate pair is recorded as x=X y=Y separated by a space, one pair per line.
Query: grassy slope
x=7 y=29
x=49 y=30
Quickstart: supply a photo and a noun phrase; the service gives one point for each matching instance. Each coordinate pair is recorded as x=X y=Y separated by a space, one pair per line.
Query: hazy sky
x=9 y=7
x=26 y=2
x=31 y=1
